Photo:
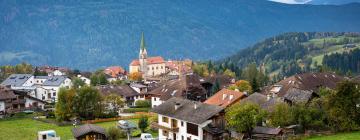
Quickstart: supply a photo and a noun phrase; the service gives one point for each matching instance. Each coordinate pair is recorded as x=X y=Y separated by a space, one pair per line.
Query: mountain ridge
x=88 y=35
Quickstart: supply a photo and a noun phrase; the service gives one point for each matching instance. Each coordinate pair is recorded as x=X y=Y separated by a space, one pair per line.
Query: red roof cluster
x=150 y=60
x=225 y=98
x=114 y=71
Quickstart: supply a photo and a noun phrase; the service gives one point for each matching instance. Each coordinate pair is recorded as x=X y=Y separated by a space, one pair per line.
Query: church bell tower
x=143 y=57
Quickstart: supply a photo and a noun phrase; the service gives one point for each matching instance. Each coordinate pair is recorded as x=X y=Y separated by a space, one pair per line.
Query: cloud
x=292 y=1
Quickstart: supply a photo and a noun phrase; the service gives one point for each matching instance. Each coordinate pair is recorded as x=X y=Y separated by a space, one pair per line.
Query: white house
x=86 y=80
x=57 y=73
x=182 y=119
x=49 y=89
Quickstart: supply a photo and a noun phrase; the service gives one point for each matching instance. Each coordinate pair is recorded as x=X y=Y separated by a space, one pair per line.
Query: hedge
x=133 y=110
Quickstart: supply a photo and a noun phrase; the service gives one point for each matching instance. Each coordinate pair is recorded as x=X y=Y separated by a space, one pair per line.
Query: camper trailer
x=47 y=135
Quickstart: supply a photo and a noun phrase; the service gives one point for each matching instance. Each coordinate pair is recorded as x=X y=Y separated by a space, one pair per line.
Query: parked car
x=146 y=136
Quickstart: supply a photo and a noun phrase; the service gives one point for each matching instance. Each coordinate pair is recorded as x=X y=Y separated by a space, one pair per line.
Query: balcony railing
x=172 y=129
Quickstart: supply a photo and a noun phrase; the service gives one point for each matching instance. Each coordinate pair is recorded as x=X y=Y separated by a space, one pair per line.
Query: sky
x=336 y=2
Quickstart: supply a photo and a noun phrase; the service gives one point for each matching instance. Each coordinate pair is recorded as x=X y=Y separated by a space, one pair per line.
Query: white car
x=146 y=136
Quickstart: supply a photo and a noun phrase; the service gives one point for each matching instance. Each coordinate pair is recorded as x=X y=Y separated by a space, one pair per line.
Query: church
x=148 y=66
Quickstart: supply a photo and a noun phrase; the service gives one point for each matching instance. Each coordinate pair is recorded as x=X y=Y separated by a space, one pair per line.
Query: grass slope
x=340 y=136
x=26 y=129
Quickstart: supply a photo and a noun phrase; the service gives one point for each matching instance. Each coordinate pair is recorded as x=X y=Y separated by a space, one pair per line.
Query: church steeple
x=142 y=43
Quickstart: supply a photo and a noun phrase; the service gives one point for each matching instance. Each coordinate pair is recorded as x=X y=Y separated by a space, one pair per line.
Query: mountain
x=297 y=52
x=90 y=34
x=332 y=2
x=318 y=2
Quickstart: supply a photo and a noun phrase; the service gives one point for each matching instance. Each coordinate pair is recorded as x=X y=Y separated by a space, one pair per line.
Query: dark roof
x=271 y=103
x=266 y=130
x=305 y=81
x=6 y=93
x=356 y=79
x=87 y=128
x=123 y=90
x=16 y=79
x=256 y=98
x=223 y=80
x=297 y=95
x=54 y=80
x=187 y=111
x=188 y=84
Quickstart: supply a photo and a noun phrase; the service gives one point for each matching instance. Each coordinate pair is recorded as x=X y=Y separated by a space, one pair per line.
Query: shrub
x=143 y=103
x=133 y=110
x=143 y=123
x=114 y=134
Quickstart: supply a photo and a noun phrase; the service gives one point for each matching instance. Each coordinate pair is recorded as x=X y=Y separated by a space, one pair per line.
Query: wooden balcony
x=173 y=129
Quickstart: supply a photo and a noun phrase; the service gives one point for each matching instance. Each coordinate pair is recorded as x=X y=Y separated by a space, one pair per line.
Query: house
x=125 y=91
x=225 y=98
x=42 y=87
x=188 y=87
x=89 y=132
x=49 y=89
x=115 y=73
x=12 y=101
x=6 y=101
x=265 y=102
x=53 y=71
x=86 y=80
x=176 y=68
x=295 y=95
x=306 y=81
x=19 y=81
x=138 y=87
x=148 y=66
x=180 y=119
x=267 y=133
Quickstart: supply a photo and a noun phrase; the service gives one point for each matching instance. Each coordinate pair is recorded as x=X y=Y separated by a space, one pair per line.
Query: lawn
x=26 y=129
x=339 y=136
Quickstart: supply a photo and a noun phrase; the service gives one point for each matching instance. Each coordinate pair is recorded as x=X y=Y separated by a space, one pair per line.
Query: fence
x=137 y=115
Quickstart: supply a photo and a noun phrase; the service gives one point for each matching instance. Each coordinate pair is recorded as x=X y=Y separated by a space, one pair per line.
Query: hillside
x=87 y=34
x=291 y=53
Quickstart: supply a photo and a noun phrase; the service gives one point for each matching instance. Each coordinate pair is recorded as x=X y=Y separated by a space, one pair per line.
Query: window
x=157 y=67
x=165 y=119
x=155 y=99
x=182 y=137
x=152 y=68
x=192 y=129
x=182 y=124
x=54 y=94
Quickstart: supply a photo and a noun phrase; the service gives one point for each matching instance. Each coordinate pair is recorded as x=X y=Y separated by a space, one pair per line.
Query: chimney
x=231 y=97
x=268 y=97
x=224 y=96
x=177 y=105
x=195 y=105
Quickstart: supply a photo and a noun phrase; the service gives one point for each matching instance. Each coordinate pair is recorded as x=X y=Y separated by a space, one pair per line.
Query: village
x=171 y=100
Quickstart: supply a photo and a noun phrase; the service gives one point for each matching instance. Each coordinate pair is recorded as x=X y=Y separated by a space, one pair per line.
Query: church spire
x=142 y=44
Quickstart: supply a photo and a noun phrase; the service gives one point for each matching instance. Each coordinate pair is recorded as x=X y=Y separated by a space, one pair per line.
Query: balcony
x=172 y=129
x=19 y=101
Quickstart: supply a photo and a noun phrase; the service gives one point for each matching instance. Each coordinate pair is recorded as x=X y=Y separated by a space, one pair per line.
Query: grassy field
x=26 y=129
x=340 y=136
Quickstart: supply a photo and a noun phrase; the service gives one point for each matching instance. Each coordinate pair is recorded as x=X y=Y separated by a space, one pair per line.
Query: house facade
x=182 y=119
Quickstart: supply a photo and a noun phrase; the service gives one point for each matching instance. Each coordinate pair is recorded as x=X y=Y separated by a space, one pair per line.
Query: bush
x=143 y=123
x=133 y=110
x=143 y=103
x=114 y=134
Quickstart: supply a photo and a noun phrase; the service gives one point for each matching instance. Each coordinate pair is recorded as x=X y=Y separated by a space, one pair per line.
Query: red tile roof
x=225 y=98
x=150 y=60
x=114 y=71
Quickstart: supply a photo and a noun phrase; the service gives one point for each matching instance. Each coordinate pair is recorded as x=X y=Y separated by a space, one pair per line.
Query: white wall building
x=181 y=119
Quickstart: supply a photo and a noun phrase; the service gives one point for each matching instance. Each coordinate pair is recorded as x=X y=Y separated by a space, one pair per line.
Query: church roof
x=150 y=60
